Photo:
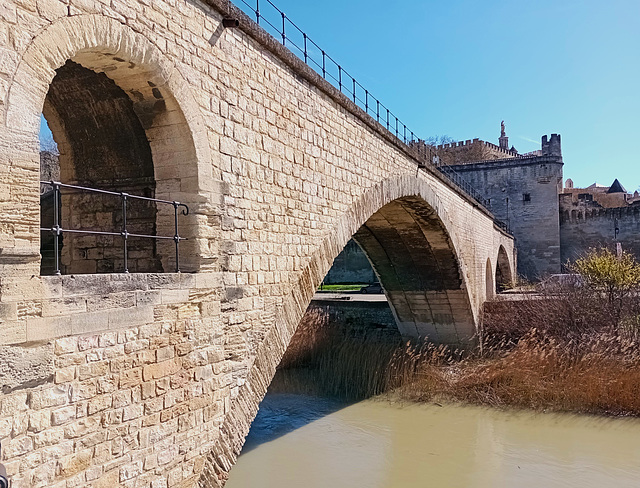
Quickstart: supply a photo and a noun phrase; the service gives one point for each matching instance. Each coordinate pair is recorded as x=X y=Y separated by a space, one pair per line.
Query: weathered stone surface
x=25 y=367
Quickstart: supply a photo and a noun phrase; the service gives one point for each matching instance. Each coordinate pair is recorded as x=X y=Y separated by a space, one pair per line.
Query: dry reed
x=549 y=353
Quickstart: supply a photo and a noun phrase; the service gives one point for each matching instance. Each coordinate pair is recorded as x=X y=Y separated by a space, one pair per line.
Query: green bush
x=616 y=277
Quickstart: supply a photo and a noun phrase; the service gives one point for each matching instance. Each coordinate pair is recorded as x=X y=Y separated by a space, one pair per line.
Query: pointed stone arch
x=504 y=275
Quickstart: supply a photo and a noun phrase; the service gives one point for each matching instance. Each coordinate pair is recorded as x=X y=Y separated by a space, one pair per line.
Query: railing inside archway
x=273 y=20
x=58 y=231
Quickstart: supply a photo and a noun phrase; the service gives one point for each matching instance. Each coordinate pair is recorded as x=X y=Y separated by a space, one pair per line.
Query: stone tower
x=504 y=140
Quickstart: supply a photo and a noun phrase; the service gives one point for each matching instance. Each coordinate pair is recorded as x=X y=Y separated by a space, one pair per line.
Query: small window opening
x=526 y=197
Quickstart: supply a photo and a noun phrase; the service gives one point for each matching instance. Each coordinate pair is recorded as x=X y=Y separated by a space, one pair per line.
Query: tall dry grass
x=554 y=352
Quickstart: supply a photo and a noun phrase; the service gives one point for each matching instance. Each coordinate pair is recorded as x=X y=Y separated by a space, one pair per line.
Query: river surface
x=299 y=441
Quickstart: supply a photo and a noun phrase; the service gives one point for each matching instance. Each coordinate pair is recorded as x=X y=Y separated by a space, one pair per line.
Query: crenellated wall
x=586 y=224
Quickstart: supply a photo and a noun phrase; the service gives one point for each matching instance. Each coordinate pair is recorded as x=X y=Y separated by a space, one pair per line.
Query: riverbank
x=580 y=370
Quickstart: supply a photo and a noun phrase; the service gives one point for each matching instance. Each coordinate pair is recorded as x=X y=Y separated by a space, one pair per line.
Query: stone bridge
x=153 y=378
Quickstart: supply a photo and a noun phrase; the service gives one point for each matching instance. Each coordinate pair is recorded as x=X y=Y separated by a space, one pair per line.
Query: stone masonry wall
x=524 y=194
x=132 y=398
x=279 y=170
x=587 y=226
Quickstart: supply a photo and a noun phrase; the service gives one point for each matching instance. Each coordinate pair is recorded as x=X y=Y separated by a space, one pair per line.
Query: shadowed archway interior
x=504 y=278
x=412 y=254
x=102 y=144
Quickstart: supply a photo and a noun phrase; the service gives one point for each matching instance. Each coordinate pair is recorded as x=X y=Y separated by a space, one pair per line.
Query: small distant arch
x=490 y=288
x=504 y=278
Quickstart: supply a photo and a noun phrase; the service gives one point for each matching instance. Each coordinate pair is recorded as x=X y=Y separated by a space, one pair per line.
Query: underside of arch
x=413 y=255
x=102 y=144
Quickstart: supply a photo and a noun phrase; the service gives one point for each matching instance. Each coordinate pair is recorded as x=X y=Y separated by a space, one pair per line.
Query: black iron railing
x=461 y=183
x=58 y=231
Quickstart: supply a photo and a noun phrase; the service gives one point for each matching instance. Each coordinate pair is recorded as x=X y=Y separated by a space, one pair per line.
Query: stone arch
x=402 y=190
x=504 y=277
x=414 y=258
x=168 y=115
x=488 y=277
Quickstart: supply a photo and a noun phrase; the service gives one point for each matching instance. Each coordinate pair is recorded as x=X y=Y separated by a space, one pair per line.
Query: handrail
x=58 y=231
x=303 y=46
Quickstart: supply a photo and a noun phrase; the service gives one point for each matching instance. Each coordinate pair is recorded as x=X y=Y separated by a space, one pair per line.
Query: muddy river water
x=299 y=441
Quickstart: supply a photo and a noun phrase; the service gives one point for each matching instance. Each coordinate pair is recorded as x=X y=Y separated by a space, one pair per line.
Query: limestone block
x=25 y=367
x=49 y=397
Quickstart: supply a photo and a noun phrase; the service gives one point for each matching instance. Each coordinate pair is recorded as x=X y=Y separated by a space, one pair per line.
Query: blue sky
x=459 y=67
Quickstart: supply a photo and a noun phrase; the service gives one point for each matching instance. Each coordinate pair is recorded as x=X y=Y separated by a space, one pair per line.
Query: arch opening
x=489 y=286
x=504 y=278
x=412 y=254
x=346 y=345
x=117 y=128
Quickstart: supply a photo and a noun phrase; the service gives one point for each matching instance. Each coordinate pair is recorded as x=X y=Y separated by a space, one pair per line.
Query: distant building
x=598 y=216
x=523 y=192
x=552 y=223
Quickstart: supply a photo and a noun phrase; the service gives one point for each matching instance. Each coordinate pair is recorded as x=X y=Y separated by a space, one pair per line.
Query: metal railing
x=275 y=22
x=58 y=231
x=461 y=183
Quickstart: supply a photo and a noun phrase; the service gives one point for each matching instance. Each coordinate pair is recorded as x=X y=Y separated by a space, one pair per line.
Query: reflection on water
x=302 y=441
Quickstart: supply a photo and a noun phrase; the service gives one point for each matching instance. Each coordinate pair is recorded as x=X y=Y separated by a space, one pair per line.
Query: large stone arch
x=169 y=115
x=412 y=254
x=420 y=202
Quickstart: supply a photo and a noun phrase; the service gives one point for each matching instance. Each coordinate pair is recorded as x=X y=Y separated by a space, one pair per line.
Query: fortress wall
x=534 y=223
x=584 y=228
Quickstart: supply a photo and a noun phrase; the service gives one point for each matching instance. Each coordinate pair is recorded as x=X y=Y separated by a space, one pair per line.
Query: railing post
x=125 y=234
x=366 y=101
x=176 y=236
x=354 y=90
x=258 y=12
x=324 y=65
x=377 y=110
x=56 y=225
x=284 y=37
x=305 y=48
x=340 y=77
